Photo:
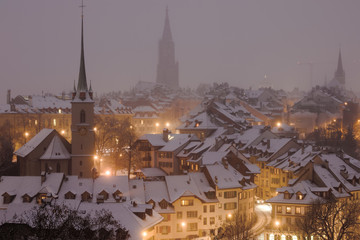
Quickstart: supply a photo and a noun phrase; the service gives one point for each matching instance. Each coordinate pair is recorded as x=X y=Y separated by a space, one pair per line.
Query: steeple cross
x=82 y=8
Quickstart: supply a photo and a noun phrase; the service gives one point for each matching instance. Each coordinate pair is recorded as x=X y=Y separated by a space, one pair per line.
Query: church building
x=49 y=151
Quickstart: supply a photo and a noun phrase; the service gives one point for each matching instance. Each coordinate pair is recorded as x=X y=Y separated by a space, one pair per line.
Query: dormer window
x=287 y=195
x=85 y=196
x=117 y=195
x=163 y=204
x=26 y=198
x=8 y=198
x=299 y=196
x=104 y=194
x=70 y=195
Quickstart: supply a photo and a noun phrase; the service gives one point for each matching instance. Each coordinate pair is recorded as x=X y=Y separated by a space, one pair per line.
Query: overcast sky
x=234 y=41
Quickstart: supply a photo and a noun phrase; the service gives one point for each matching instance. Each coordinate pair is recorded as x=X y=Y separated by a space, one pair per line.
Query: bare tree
x=61 y=222
x=236 y=227
x=332 y=219
x=114 y=139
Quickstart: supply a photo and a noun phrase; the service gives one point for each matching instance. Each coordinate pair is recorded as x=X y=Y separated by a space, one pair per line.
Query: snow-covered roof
x=187 y=185
x=34 y=142
x=56 y=150
x=153 y=172
x=213 y=157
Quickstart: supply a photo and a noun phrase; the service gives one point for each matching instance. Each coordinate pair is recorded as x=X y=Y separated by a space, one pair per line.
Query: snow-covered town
x=162 y=162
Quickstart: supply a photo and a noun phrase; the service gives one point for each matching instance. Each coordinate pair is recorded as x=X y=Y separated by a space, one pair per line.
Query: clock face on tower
x=83 y=131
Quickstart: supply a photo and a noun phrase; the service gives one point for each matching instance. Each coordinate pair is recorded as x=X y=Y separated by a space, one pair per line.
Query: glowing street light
x=183 y=224
x=167 y=124
x=229 y=215
x=95 y=129
x=157 y=124
x=107 y=173
x=144 y=234
x=62 y=132
x=277 y=223
x=278 y=124
x=26 y=135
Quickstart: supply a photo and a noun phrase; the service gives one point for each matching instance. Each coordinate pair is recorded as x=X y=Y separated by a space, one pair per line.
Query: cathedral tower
x=82 y=123
x=167 y=68
x=340 y=73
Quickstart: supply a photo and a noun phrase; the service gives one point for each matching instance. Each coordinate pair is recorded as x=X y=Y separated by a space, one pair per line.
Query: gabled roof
x=34 y=142
x=187 y=185
x=56 y=150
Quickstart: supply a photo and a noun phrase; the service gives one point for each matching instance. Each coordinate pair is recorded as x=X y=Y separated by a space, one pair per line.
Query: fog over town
x=179 y=120
x=232 y=41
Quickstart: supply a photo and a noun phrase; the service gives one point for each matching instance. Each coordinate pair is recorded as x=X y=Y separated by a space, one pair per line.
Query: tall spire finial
x=82 y=84
x=82 y=8
x=167 y=31
x=340 y=66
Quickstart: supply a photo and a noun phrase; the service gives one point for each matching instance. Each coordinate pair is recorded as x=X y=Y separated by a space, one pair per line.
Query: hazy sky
x=237 y=41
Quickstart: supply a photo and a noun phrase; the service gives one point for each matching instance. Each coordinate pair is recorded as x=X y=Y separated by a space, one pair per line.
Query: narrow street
x=263 y=212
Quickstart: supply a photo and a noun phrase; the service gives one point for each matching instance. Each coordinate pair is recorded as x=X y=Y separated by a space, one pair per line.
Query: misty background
x=234 y=41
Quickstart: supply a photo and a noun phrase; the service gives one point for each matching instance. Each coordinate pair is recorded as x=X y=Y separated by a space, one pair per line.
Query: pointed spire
x=340 y=66
x=167 y=31
x=82 y=84
x=74 y=86
x=90 y=88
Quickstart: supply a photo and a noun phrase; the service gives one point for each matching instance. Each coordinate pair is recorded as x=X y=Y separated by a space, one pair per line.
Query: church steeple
x=168 y=67
x=82 y=121
x=82 y=83
x=82 y=92
x=340 y=73
x=167 y=36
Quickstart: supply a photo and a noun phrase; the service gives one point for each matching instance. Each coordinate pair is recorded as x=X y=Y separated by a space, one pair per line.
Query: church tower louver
x=82 y=123
x=167 y=68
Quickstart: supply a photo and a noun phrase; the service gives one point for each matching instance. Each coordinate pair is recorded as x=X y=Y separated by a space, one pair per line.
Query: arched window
x=82 y=116
x=58 y=167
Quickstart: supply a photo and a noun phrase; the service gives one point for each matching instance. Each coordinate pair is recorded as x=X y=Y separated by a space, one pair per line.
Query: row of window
x=165 y=164
x=288 y=210
x=179 y=228
x=165 y=154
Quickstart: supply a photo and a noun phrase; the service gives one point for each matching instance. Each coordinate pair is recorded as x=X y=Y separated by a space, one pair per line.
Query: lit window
x=60 y=110
x=187 y=202
x=297 y=210
x=288 y=210
x=279 y=209
x=54 y=122
x=36 y=122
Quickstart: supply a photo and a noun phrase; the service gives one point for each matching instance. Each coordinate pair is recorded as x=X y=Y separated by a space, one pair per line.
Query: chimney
x=268 y=144
x=166 y=134
x=8 y=96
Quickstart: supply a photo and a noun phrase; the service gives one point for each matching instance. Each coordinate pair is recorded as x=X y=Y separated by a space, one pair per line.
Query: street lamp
x=26 y=135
